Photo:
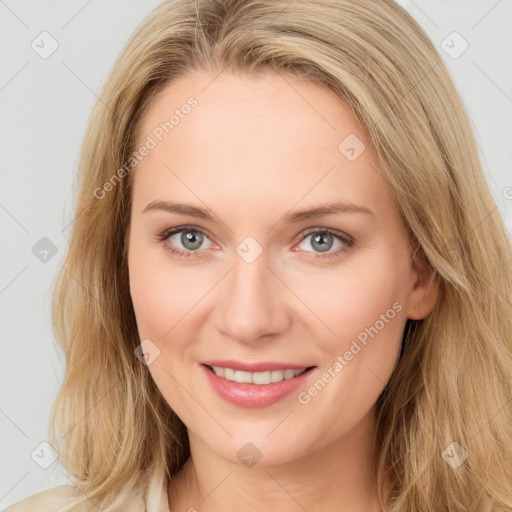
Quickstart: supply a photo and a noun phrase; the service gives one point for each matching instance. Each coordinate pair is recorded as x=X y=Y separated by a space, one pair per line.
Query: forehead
x=249 y=137
x=244 y=105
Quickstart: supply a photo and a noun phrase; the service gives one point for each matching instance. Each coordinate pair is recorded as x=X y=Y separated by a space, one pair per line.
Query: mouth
x=261 y=378
x=258 y=389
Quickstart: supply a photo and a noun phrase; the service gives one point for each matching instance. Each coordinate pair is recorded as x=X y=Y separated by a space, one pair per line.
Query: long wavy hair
x=453 y=383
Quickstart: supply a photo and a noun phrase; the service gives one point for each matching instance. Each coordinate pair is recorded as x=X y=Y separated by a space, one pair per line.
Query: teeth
x=256 y=377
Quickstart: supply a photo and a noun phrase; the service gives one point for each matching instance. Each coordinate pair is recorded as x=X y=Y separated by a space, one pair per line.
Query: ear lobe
x=423 y=298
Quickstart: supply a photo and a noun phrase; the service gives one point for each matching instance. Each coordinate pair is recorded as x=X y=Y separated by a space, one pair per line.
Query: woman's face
x=257 y=283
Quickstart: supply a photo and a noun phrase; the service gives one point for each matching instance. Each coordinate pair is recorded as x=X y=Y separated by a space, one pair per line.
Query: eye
x=323 y=240
x=188 y=239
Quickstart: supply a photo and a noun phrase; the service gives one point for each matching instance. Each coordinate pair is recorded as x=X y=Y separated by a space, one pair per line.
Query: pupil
x=190 y=237
x=320 y=238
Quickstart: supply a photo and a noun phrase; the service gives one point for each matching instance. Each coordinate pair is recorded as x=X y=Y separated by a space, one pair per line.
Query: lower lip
x=254 y=395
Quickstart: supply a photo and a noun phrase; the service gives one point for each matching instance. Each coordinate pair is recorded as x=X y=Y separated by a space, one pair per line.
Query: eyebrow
x=292 y=217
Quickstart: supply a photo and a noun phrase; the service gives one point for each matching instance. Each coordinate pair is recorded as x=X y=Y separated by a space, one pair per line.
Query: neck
x=337 y=476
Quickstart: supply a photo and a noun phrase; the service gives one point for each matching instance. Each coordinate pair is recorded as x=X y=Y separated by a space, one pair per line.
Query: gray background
x=45 y=104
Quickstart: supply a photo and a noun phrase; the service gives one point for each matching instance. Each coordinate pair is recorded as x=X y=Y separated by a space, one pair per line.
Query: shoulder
x=150 y=495
x=50 y=500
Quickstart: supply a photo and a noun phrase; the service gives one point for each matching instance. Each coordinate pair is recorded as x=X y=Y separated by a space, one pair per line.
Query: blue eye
x=323 y=240
x=192 y=239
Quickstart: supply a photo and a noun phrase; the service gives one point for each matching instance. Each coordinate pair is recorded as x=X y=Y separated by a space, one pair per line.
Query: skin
x=254 y=149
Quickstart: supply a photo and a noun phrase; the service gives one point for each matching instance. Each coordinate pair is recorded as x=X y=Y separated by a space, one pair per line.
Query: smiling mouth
x=258 y=378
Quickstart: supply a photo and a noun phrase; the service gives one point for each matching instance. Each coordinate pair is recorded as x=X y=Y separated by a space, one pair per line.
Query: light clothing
x=61 y=499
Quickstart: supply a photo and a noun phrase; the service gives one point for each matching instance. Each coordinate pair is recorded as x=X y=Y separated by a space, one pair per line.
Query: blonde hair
x=110 y=424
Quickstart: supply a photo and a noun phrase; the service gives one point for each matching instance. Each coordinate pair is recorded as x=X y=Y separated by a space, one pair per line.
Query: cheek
x=152 y=300
x=352 y=300
x=364 y=310
x=161 y=300
x=162 y=294
x=155 y=294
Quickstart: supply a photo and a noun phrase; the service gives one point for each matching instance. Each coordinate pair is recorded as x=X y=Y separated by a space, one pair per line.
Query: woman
x=288 y=285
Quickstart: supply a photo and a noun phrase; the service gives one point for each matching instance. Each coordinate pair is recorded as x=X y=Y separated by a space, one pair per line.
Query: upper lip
x=261 y=366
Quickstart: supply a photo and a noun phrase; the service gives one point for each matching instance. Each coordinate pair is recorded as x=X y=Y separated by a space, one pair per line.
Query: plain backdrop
x=45 y=103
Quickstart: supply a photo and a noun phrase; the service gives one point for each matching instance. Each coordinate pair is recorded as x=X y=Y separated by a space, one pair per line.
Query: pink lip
x=253 y=395
x=255 y=367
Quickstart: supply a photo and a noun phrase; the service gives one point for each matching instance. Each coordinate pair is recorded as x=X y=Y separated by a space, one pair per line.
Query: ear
x=425 y=292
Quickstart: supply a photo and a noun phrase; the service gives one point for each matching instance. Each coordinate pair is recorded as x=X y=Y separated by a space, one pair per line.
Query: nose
x=252 y=306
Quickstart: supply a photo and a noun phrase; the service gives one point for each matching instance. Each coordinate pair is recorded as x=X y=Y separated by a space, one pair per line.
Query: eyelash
x=342 y=237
